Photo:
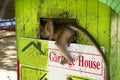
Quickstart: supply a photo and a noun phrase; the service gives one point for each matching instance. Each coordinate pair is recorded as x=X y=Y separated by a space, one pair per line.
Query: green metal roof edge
x=114 y=4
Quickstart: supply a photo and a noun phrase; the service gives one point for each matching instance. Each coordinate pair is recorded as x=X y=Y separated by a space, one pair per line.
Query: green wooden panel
x=118 y=49
x=92 y=17
x=28 y=26
x=19 y=20
x=43 y=8
x=26 y=18
x=104 y=1
x=115 y=47
x=32 y=74
x=81 y=19
x=79 y=78
x=104 y=27
x=113 y=4
x=71 y=7
x=50 y=8
x=29 y=73
x=34 y=18
x=19 y=17
x=113 y=55
x=61 y=9
x=31 y=55
x=57 y=9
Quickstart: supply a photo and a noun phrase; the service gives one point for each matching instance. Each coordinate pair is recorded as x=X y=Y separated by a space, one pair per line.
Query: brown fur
x=63 y=33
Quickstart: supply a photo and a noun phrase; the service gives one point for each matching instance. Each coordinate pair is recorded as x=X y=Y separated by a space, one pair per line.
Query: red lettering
x=90 y=66
x=80 y=61
x=54 y=57
x=98 y=65
x=72 y=63
x=94 y=64
x=51 y=56
x=88 y=63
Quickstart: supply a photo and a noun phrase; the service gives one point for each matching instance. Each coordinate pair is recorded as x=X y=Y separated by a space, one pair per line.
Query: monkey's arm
x=63 y=51
x=62 y=43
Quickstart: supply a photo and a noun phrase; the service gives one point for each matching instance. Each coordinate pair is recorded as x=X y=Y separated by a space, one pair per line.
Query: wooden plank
x=92 y=18
x=26 y=22
x=43 y=8
x=34 y=18
x=19 y=18
x=81 y=19
x=19 y=21
x=104 y=1
x=61 y=9
x=29 y=73
x=51 y=8
x=118 y=49
x=104 y=27
x=71 y=7
x=113 y=55
x=32 y=58
x=57 y=9
x=35 y=57
x=26 y=18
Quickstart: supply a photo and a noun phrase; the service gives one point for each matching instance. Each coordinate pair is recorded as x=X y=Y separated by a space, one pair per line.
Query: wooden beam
x=2 y=10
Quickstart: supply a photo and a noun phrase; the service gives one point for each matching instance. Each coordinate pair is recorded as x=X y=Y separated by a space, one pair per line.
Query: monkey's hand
x=64 y=61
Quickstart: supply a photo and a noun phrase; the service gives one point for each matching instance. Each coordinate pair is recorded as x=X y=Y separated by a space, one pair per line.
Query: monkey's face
x=44 y=34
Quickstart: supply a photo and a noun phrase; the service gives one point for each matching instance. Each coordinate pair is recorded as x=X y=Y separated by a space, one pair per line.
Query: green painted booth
x=100 y=20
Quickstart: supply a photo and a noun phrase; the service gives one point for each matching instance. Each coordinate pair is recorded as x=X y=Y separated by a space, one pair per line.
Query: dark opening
x=56 y=21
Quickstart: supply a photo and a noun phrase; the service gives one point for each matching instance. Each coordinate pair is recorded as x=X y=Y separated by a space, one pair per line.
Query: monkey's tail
x=94 y=42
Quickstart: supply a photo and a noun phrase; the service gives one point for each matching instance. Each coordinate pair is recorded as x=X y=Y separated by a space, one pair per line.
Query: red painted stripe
x=18 y=70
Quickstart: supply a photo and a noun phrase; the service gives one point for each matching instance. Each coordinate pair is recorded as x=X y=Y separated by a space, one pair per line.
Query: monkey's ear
x=49 y=27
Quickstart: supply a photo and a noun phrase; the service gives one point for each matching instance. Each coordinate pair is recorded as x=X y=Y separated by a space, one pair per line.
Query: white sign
x=86 y=62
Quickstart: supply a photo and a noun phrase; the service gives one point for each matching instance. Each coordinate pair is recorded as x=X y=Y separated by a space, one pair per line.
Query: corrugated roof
x=114 y=4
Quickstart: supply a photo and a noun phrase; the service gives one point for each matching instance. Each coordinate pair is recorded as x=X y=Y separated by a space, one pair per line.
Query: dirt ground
x=8 y=55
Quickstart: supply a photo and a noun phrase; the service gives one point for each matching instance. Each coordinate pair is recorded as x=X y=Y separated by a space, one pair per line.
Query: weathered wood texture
x=90 y=14
x=114 y=4
x=26 y=14
x=115 y=47
x=33 y=62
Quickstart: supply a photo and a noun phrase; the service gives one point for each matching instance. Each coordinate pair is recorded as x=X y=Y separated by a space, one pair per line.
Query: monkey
x=63 y=32
x=48 y=31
